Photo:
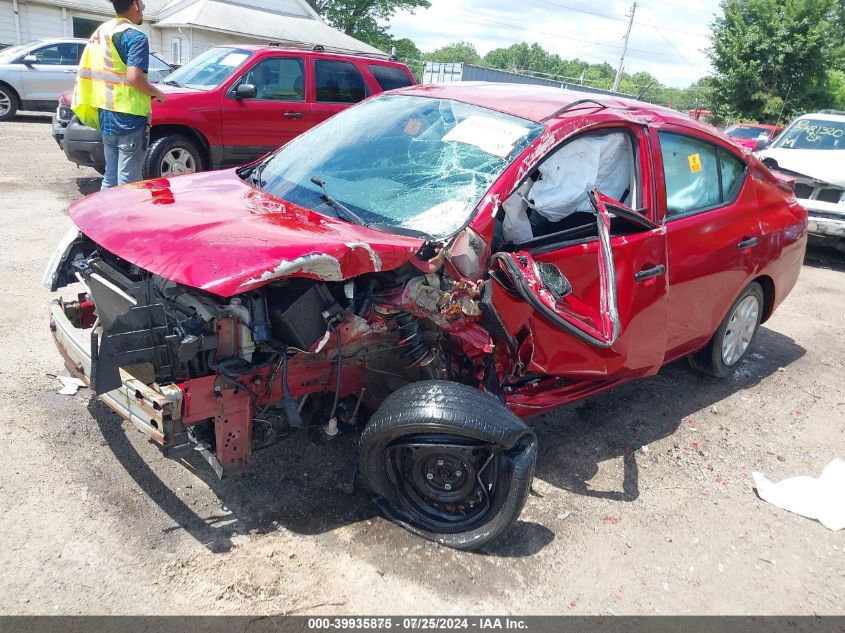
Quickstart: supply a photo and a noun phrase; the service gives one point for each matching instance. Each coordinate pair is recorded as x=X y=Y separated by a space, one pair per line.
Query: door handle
x=648 y=273
x=293 y=115
x=747 y=242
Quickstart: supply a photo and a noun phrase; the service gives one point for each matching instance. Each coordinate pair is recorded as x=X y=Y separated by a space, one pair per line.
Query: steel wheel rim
x=442 y=483
x=178 y=161
x=5 y=103
x=741 y=326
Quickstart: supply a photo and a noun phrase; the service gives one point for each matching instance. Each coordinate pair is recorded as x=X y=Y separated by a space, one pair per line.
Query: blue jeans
x=124 y=158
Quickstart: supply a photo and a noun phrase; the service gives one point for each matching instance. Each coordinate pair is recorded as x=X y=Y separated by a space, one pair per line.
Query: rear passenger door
x=278 y=112
x=713 y=232
x=338 y=84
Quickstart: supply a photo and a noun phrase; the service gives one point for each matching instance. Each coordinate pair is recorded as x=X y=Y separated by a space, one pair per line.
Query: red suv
x=233 y=104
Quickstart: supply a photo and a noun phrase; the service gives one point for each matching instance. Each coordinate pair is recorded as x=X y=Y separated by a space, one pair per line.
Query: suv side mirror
x=30 y=59
x=245 y=91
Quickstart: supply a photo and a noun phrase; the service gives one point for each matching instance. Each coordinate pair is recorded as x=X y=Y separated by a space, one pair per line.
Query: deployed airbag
x=592 y=162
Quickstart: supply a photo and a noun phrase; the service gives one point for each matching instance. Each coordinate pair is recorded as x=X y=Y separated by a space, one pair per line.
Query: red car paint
x=218 y=233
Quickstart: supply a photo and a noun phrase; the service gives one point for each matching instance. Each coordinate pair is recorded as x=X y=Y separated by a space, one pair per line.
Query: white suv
x=811 y=151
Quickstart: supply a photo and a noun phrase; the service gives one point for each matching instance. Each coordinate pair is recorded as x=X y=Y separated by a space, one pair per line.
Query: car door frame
x=56 y=72
x=568 y=355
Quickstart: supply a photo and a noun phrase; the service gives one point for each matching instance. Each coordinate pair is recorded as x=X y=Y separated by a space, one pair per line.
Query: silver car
x=33 y=75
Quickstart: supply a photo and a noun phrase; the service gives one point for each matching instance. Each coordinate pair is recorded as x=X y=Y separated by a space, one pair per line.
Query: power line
x=564 y=37
x=615 y=18
x=680 y=6
x=672 y=46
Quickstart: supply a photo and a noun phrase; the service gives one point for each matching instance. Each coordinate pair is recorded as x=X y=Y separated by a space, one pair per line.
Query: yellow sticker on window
x=694 y=163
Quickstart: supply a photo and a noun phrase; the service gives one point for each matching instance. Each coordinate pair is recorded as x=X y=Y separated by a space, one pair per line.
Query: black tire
x=155 y=161
x=483 y=456
x=8 y=96
x=710 y=360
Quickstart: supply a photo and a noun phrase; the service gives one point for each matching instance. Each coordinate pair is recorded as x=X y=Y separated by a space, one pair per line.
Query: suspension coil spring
x=419 y=353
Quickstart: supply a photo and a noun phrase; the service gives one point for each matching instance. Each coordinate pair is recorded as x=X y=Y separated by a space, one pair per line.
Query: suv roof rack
x=322 y=48
x=830 y=111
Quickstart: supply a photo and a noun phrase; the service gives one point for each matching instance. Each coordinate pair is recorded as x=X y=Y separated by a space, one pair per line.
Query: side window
x=57 y=54
x=733 y=174
x=691 y=171
x=339 y=82
x=390 y=77
x=278 y=79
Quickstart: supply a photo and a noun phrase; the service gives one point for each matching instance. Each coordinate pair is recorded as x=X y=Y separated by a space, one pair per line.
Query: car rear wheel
x=172 y=155
x=448 y=463
x=8 y=103
x=732 y=340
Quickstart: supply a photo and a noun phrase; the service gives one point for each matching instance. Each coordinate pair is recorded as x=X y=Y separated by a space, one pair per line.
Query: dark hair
x=121 y=6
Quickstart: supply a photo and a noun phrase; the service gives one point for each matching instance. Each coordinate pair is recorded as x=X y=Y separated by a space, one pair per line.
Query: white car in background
x=33 y=75
x=811 y=151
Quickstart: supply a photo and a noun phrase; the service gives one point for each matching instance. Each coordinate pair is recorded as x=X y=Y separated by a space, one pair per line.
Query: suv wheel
x=449 y=463
x=172 y=155
x=8 y=103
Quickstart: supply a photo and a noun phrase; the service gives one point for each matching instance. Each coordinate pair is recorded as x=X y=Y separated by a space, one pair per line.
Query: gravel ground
x=643 y=500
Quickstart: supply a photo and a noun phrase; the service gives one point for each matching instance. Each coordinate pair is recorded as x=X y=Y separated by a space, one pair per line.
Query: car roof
x=824 y=116
x=539 y=103
x=304 y=49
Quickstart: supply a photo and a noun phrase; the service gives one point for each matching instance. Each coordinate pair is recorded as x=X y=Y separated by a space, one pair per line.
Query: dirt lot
x=643 y=497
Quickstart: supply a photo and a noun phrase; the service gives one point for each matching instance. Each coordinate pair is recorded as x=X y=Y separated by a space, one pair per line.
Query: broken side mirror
x=246 y=91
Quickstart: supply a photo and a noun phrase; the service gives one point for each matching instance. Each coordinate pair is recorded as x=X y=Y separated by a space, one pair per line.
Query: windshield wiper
x=255 y=174
x=345 y=211
x=172 y=82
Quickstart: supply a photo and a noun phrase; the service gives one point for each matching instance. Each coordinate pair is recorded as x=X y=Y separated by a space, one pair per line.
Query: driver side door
x=586 y=299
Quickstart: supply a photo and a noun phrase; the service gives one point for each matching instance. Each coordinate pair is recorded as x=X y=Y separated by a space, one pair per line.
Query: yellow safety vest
x=101 y=80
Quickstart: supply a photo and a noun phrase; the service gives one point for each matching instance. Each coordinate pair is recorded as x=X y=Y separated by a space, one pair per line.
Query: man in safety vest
x=112 y=92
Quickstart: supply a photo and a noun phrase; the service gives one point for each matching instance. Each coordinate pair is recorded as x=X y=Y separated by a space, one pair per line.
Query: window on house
x=84 y=27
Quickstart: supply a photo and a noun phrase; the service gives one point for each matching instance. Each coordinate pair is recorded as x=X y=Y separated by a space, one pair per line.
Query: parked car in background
x=811 y=152
x=427 y=265
x=753 y=136
x=233 y=104
x=33 y=75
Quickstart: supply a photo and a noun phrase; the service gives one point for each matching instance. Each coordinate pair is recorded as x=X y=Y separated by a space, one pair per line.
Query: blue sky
x=667 y=39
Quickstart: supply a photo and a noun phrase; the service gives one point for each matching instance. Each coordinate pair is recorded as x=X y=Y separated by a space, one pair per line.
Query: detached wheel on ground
x=448 y=463
x=173 y=155
x=8 y=103
x=731 y=341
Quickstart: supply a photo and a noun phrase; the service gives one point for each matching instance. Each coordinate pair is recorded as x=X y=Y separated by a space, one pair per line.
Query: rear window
x=390 y=77
x=339 y=82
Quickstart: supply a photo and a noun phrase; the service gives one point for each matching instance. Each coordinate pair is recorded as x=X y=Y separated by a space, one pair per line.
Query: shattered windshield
x=813 y=134
x=411 y=162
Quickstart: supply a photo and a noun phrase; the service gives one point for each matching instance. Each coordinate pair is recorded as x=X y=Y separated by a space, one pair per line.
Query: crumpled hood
x=215 y=232
x=827 y=165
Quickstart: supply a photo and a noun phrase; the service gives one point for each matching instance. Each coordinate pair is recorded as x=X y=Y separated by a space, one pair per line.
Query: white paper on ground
x=822 y=499
x=70 y=385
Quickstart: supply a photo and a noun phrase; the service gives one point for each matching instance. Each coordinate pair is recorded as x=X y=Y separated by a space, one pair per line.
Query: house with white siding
x=180 y=29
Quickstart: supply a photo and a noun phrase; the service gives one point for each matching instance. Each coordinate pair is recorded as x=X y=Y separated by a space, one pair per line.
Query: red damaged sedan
x=425 y=269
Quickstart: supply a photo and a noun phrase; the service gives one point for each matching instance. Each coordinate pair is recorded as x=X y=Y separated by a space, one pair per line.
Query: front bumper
x=83 y=145
x=58 y=130
x=824 y=218
x=156 y=412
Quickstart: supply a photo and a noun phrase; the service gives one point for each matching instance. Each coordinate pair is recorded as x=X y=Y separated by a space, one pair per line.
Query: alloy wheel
x=178 y=161
x=5 y=103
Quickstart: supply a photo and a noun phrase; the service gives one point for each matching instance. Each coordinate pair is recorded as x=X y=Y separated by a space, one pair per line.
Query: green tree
x=360 y=18
x=774 y=56
x=454 y=53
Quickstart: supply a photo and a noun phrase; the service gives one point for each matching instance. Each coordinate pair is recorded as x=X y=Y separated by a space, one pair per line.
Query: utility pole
x=624 y=49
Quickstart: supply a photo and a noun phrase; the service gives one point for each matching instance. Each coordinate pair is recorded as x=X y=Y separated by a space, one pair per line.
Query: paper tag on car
x=694 y=163
x=489 y=135
x=233 y=59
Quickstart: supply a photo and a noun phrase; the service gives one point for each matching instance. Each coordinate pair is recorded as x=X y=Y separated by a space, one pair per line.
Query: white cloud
x=667 y=39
